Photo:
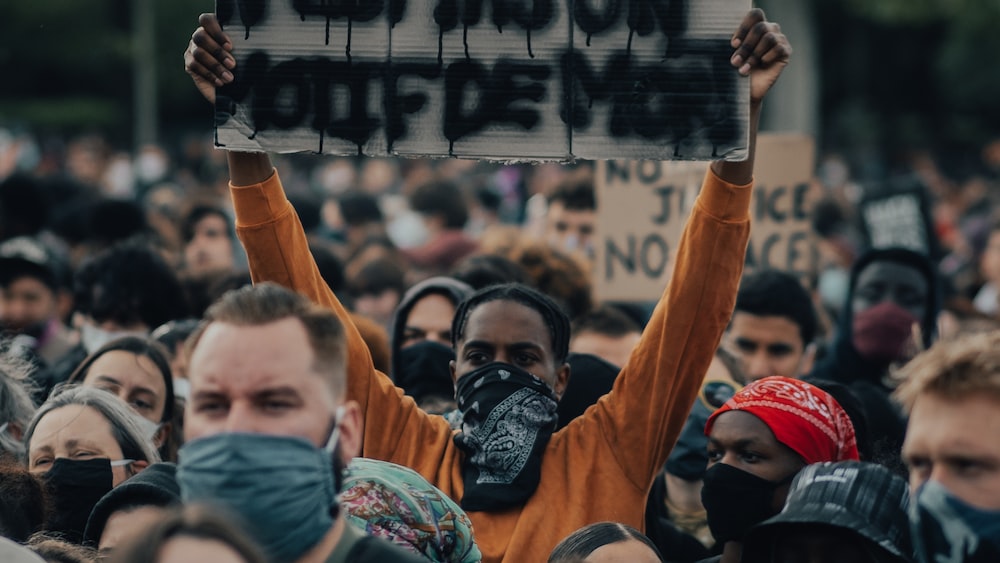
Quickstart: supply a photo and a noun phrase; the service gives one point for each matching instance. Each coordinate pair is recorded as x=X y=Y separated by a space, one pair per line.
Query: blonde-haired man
x=952 y=395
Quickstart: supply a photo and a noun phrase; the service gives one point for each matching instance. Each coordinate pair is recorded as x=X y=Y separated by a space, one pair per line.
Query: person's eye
x=80 y=454
x=476 y=357
x=746 y=347
x=714 y=455
x=210 y=407
x=277 y=406
x=868 y=294
x=41 y=462
x=751 y=457
x=141 y=405
x=526 y=359
x=968 y=467
x=919 y=467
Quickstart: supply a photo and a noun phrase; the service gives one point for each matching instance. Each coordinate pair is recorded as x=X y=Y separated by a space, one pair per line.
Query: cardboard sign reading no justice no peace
x=643 y=205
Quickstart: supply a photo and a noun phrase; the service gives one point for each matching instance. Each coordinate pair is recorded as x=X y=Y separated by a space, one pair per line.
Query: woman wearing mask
x=757 y=442
x=136 y=370
x=83 y=442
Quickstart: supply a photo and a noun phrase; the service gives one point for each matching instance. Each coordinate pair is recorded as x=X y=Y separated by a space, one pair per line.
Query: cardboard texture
x=644 y=205
x=506 y=80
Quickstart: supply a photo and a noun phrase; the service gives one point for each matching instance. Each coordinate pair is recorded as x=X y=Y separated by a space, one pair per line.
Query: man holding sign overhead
x=525 y=486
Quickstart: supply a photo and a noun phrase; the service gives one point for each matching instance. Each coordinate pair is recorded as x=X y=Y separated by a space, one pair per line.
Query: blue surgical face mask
x=282 y=486
x=948 y=530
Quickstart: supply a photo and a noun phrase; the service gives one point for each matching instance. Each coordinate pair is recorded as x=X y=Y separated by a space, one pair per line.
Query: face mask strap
x=3 y=427
x=122 y=462
x=331 y=442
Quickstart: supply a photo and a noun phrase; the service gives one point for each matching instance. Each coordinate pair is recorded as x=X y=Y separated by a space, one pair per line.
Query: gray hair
x=126 y=426
x=16 y=405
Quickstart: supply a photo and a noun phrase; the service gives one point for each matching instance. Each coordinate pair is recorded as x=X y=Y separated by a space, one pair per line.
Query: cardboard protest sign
x=898 y=216
x=500 y=80
x=644 y=205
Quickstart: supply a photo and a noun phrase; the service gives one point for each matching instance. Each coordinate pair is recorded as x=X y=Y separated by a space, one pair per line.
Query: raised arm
x=643 y=415
x=278 y=251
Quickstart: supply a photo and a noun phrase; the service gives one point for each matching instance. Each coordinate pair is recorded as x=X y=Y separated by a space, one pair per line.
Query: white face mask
x=331 y=442
x=93 y=337
x=833 y=286
x=182 y=388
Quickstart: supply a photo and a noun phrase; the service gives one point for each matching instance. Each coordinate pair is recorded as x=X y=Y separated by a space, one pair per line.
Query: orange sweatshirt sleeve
x=643 y=414
x=277 y=251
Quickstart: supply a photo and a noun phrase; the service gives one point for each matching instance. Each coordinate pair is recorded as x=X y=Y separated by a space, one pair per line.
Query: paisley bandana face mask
x=948 y=530
x=508 y=416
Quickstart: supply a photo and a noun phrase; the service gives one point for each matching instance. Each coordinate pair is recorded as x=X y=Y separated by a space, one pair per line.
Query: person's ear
x=161 y=435
x=351 y=432
x=808 y=359
x=562 y=380
x=15 y=431
x=64 y=304
x=137 y=466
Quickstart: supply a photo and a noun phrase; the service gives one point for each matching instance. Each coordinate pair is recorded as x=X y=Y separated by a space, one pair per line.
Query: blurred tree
x=896 y=74
x=67 y=66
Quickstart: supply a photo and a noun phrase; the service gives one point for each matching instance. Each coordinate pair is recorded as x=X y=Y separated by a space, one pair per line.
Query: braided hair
x=554 y=316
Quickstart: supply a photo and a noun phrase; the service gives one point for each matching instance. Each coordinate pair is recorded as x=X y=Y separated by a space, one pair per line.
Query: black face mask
x=508 y=416
x=736 y=500
x=74 y=487
x=424 y=370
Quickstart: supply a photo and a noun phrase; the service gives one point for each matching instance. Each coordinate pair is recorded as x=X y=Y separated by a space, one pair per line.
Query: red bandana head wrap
x=802 y=416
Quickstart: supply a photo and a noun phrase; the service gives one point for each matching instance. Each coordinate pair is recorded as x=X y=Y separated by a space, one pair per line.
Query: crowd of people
x=232 y=356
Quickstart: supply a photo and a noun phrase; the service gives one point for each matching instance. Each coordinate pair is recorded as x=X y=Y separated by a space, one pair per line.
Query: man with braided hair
x=524 y=486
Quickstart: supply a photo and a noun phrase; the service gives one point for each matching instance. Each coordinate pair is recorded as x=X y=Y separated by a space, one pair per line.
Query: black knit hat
x=155 y=486
x=864 y=498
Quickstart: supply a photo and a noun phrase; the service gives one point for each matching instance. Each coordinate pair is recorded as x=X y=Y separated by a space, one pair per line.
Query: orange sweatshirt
x=600 y=467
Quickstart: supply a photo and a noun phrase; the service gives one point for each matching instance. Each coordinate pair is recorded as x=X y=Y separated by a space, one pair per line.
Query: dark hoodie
x=452 y=289
x=154 y=486
x=844 y=364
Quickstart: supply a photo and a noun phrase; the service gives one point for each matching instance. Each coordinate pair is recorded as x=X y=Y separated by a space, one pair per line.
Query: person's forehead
x=77 y=423
x=128 y=369
x=893 y=272
x=24 y=282
x=211 y=219
x=737 y=426
x=559 y=210
x=765 y=329
x=238 y=356
x=505 y=321
x=431 y=308
x=938 y=422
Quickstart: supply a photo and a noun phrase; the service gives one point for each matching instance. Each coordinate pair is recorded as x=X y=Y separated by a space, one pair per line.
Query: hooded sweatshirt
x=452 y=289
x=866 y=377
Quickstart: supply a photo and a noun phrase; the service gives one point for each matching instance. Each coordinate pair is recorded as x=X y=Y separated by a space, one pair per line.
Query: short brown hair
x=953 y=369
x=266 y=303
x=196 y=521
